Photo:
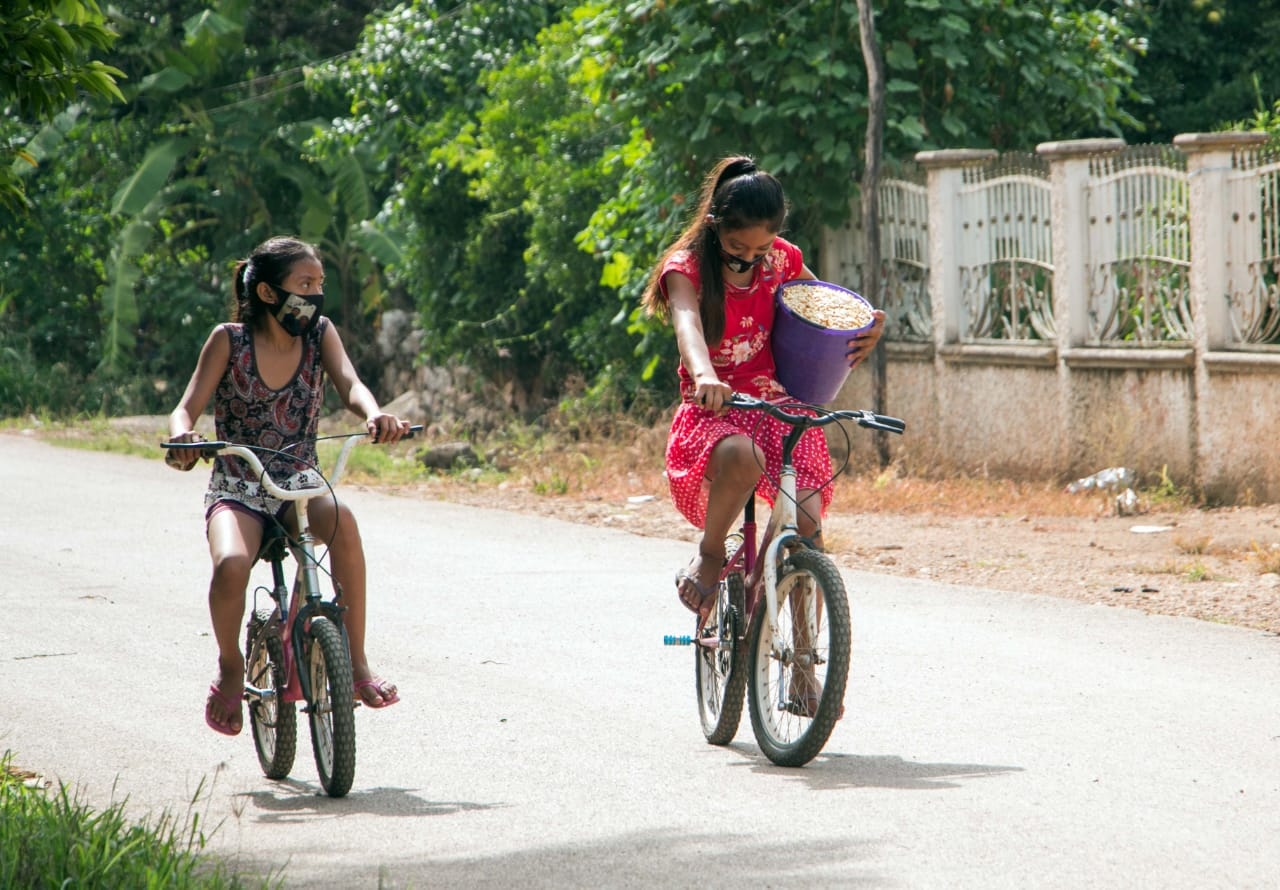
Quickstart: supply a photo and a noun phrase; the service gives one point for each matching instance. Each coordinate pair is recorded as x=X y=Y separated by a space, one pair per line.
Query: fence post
x=1069 y=210
x=945 y=171
x=1209 y=157
x=1209 y=166
x=1069 y=203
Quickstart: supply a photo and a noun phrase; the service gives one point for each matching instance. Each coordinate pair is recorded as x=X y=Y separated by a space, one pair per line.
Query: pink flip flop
x=386 y=693
x=231 y=705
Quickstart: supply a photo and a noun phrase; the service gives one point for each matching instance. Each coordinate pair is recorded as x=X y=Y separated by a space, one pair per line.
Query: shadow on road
x=830 y=772
x=649 y=859
x=291 y=800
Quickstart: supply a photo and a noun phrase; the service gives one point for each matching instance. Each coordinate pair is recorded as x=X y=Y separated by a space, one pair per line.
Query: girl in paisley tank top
x=265 y=373
x=716 y=286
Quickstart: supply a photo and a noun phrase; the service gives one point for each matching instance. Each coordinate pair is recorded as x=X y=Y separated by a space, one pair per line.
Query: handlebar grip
x=886 y=423
x=738 y=400
x=210 y=446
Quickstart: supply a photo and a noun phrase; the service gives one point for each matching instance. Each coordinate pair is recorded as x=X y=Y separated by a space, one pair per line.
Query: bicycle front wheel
x=720 y=663
x=331 y=710
x=274 y=721
x=797 y=688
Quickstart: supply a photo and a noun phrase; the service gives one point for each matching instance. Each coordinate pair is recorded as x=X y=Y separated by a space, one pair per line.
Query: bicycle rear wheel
x=331 y=710
x=274 y=721
x=797 y=694
x=720 y=669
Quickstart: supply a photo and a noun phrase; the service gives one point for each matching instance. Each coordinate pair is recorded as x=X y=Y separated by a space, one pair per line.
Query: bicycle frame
x=306 y=600
x=780 y=532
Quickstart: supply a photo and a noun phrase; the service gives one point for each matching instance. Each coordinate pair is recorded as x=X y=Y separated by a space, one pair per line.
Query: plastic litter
x=1110 y=479
x=1115 y=482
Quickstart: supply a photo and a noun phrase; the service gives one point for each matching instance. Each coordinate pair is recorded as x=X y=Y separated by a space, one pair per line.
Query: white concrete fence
x=1088 y=306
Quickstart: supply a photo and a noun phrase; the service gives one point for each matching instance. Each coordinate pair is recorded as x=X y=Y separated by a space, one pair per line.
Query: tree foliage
x=1207 y=62
x=46 y=65
x=786 y=84
x=510 y=170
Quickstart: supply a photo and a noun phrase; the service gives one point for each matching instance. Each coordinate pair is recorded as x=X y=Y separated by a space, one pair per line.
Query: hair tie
x=247 y=273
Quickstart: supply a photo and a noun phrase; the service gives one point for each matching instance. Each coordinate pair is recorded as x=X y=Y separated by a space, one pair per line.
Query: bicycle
x=795 y=650
x=303 y=630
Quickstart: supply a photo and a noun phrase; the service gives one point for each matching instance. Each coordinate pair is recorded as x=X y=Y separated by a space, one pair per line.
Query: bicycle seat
x=275 y=543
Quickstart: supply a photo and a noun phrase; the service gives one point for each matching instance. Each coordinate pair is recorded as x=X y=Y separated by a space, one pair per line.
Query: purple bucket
x=810 y=357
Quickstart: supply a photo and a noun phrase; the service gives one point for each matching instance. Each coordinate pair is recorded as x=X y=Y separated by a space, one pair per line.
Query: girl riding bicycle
x=265 y=372
x=716 y=285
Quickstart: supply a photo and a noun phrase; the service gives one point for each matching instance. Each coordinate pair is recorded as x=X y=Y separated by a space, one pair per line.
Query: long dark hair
x=736 y=194
x=271 y=261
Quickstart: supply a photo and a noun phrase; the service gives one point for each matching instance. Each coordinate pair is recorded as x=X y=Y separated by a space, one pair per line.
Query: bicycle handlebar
x=865 y=419
x=247 y=454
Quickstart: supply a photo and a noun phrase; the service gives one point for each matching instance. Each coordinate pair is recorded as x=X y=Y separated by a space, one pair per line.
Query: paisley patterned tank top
x=248 y=411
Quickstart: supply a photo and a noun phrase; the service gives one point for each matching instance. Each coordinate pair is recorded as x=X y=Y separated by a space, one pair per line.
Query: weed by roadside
x=49 y=837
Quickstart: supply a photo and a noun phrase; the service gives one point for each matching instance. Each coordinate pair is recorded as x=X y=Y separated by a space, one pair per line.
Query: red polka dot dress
x=744 y=360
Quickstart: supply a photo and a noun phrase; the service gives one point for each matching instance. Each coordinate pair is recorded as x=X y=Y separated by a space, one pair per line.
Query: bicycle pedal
x=677 y=640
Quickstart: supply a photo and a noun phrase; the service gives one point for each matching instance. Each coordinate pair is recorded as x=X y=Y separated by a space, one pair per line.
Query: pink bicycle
x=779 y=633
x=296 y=648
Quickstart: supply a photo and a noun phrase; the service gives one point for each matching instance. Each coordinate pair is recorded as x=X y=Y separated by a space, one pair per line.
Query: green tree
x=786 y=84
x=142 y=208
x=1208 y=62
x=418 y=86
x=45 y=66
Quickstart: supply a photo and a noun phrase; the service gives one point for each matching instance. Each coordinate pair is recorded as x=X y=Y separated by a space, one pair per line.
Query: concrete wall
x=1199 y=412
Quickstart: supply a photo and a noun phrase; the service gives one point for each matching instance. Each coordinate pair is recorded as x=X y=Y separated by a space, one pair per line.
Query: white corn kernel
x=827 y=307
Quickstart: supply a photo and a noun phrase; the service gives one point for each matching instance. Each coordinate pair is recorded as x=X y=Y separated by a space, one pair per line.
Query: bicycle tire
x=720 y=671
x=331 y=709
x=788 y=726
x=273 y=721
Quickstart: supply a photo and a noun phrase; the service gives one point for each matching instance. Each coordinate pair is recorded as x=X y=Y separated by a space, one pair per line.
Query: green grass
x=49 y=837
x=392 y=465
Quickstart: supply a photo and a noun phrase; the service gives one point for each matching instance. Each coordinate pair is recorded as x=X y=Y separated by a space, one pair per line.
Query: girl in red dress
x=716 y=286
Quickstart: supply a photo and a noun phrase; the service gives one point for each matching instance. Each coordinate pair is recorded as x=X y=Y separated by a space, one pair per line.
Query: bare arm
x=214 y=356
x=359 y=399
x=709 y=391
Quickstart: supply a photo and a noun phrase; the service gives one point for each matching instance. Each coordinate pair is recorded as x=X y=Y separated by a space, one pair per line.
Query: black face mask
x=297 y=312
x=737 y=263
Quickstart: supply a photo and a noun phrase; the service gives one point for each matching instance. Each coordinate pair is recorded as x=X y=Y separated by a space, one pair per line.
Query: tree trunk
x=871 y=202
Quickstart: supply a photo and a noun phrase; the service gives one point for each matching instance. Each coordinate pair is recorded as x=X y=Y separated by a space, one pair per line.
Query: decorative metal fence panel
x=1005 y=252
x=904 y=255
x=1136 y=250
x=1139 y=248
x=1253 y=192
x=904 y=267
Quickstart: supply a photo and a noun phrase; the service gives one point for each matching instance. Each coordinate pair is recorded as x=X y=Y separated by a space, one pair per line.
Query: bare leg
x=233 y=542
x=733 y=471
x=809 y=515
x=346 y=553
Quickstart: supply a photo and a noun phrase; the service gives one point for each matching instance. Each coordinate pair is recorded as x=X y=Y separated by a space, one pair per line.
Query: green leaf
x=147 y=181
x=166 y=80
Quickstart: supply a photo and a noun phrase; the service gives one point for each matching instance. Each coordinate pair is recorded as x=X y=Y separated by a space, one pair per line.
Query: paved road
x=547 y=738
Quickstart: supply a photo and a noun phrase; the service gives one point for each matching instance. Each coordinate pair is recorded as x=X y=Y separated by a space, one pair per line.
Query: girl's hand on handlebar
x=711 y=393
x=386 y=429
x=861 y=346
x=184 y=458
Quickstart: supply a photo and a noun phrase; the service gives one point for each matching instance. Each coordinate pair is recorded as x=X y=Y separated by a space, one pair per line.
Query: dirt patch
x=1214 y=565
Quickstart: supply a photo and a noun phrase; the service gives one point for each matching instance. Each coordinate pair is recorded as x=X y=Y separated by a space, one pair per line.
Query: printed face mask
x=298 y=311
x=737 y=263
